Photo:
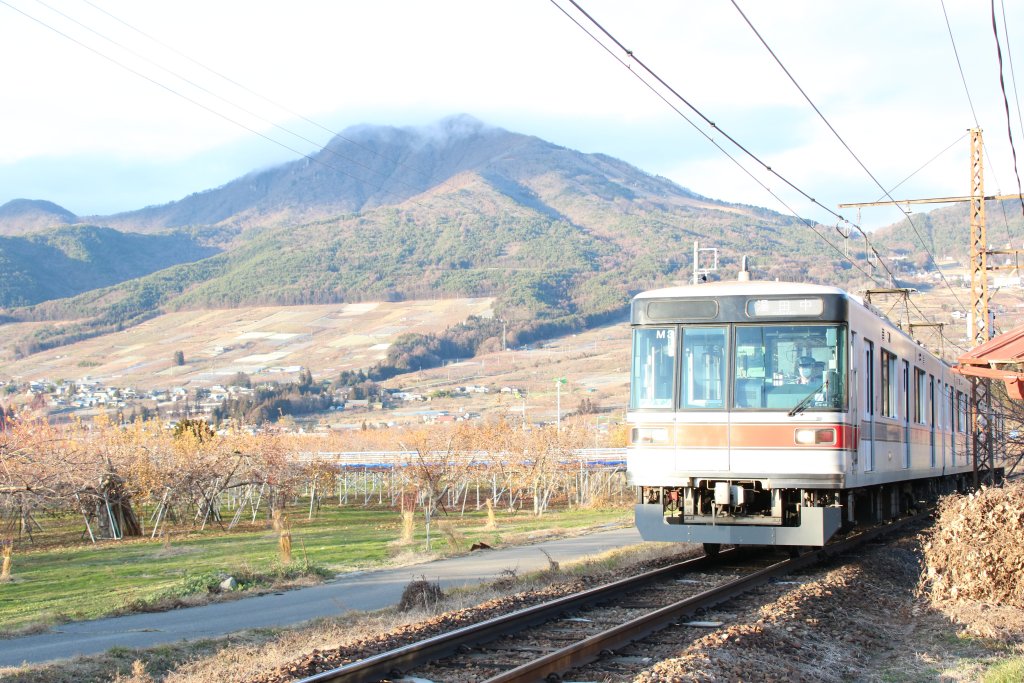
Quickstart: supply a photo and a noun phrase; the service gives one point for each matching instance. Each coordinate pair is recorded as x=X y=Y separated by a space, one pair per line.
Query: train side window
x=869 y=377
x=920 y=396
x=951 y=409
x=906 y=391
x=931 y=400
x=961 y=412
x=888 y=372
x=654 y=356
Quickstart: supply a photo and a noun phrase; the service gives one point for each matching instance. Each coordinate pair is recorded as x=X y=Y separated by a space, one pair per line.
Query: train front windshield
x=772 y=367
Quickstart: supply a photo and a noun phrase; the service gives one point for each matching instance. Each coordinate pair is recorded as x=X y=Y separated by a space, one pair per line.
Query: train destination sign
x=779 y=308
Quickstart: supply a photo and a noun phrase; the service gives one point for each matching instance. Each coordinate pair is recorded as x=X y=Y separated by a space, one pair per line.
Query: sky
x=112 y=105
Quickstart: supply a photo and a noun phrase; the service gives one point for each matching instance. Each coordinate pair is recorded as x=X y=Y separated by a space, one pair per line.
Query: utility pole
x=980 y=325
x=559 y=381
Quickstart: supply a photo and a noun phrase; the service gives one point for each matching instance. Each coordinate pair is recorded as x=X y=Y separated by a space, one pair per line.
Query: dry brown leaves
x=975 y=551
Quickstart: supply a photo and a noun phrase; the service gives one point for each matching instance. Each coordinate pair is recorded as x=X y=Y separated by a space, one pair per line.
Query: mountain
x=367 y=167
x=66 y=261
x=559 y=237
x=23 y=216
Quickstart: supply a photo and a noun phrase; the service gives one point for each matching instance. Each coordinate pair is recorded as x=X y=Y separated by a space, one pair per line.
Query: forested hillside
x=67 y=261
x=947 y=231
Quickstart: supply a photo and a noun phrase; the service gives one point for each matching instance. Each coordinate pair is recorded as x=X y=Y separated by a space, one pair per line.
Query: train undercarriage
x=749 y=512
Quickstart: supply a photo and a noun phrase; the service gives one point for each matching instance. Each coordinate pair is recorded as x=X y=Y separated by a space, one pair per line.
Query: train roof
x=742 y=288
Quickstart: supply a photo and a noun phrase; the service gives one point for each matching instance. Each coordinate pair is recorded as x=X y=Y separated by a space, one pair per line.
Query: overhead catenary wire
x=1016 y=99
x=924 y=165
x=1013 y=73
x=223 y=99
x=261 y=96
x=183 y=95
x=959 y=65
x=856 y=158
x=710 y=139
x=1006 y=103
x=631 y=55
x=970 y=101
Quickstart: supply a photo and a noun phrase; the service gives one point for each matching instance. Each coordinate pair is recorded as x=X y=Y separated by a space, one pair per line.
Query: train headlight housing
x=815 y=436
x=650 y=435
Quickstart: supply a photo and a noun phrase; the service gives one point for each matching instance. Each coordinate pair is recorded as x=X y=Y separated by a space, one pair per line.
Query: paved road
x=370 y=590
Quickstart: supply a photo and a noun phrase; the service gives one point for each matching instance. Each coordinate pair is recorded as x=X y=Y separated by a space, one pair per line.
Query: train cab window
x=702 y=367
x=654 y=363
x=790 y=367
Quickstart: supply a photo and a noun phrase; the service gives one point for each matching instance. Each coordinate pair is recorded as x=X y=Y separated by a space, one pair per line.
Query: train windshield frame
x=777 y=366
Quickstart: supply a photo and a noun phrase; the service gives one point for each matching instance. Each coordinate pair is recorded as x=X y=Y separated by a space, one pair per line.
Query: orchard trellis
x=581 y=478
x=145 y=480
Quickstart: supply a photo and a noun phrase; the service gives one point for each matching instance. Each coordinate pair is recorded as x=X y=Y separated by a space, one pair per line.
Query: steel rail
x=446 y=644
x=408 y=657
x=590 y=649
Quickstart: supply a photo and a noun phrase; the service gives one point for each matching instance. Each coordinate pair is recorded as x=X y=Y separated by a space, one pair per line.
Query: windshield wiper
x=805 y=401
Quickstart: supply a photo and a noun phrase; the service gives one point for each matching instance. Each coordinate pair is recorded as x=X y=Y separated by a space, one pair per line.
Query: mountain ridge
x=560 y=238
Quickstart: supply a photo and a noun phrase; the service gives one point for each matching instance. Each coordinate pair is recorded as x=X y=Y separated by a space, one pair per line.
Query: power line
x=1006 y=103
x=974 y=115
x=923 y=166
x=959 y=65
x=223 y=99
x=1013 y=74
x=674 y=108
x=184 y=96
x=843 y=142
x=633 y=58
x=261 y=96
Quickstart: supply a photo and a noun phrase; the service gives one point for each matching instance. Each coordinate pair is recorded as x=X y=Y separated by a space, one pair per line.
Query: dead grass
x=974 y=559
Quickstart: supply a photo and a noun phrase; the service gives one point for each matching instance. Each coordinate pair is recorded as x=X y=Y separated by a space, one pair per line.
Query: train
x=773 y=413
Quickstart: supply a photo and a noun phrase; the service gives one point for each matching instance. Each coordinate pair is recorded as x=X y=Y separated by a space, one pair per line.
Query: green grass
x=1009 y=671
x=88 y=581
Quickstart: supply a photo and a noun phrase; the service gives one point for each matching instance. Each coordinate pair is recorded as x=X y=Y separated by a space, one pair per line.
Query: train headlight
x=814 y=437
x=650 y=435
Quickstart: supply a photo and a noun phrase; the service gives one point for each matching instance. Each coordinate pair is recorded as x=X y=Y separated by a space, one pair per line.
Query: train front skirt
x=817 y=525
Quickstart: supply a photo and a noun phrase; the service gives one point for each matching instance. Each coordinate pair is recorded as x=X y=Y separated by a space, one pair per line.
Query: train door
x=906 y=414
x=855 y=397
x=868 y=424
x=703 y=419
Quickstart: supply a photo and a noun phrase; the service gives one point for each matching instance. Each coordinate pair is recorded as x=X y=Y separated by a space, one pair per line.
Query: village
x=65 y=400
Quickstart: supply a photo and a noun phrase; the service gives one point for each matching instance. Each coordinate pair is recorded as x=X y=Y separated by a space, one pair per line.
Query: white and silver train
x=776 y=413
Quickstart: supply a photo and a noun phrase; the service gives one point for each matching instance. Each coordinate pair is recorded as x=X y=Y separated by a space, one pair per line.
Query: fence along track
x=589 y=649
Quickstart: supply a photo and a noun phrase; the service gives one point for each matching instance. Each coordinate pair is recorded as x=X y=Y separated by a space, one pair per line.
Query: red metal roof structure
x=1001 y=357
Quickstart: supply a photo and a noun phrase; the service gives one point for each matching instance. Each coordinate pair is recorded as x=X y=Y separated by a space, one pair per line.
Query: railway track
x=547 y=640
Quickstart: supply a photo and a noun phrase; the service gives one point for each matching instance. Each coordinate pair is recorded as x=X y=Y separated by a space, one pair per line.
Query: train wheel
x=711 y=549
